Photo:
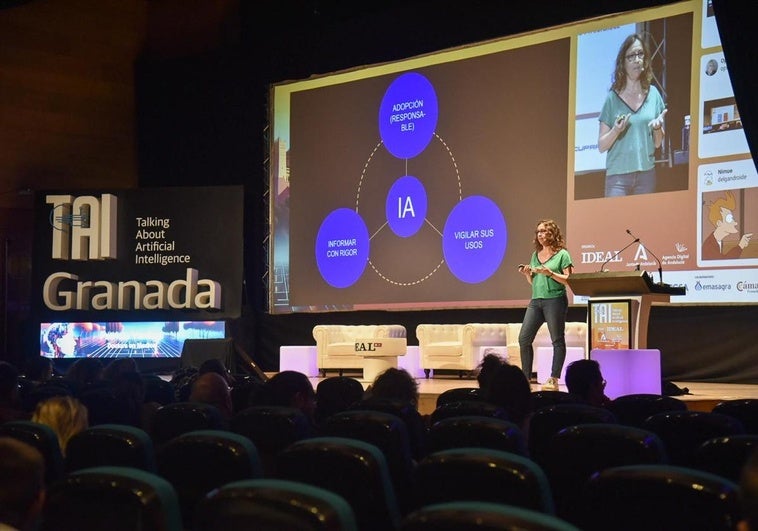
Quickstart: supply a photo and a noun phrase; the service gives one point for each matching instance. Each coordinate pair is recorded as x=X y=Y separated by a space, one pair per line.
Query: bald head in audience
x=22 y=484
x=211 y=388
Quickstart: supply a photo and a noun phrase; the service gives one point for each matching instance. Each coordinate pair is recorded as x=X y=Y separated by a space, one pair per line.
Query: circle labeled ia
x=342 y=248
x=474 y=239
x=408 y=115
x=406 y=206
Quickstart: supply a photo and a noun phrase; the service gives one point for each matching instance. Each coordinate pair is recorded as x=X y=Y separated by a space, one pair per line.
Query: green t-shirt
x=634 y=149
x=544 y=287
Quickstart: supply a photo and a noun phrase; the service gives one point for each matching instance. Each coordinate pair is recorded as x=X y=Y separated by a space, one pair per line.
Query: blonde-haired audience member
x=66 y=415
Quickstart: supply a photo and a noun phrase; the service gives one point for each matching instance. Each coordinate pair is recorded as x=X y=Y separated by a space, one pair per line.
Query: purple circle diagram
x=406 y=206
x=474 y=239
x=408 y=115
x=342 y=248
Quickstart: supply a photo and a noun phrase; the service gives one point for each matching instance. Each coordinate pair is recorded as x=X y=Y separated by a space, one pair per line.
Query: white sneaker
x=550 y=385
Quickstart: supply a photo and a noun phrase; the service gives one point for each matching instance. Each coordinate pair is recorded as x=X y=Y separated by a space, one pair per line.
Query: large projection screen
x=417 y=184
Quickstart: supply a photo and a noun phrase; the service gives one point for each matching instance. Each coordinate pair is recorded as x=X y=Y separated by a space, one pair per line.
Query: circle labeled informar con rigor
x=474 y=239
x=342 y=248
x=408 y=115
x=406 y=206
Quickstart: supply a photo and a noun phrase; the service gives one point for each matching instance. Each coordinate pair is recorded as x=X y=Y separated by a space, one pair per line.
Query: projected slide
x=473 y=239
x=402 y=188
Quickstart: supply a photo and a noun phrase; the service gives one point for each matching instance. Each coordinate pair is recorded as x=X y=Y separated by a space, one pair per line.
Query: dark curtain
x=735 y=25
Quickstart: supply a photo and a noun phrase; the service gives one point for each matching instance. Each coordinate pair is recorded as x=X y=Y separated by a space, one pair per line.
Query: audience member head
x=247 y=391
x=336 y=394
x=84 y=371
x=66 y=415
x=394 y=384
x=749 y=494
x=585 y=380
x=157 y=390
x=129 y=392
x=211 y=388
x=22 y=484
x=217 y=366
x=118 y=366
x=39 y=369
x=182 y=380
x=487 y=367
x=509 y=389
x=129 y=385
x=8 y=383
x=292 y=389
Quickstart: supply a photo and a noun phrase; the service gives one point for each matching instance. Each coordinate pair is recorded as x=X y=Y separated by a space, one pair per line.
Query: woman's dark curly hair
x=554 y=236
x=619 y=73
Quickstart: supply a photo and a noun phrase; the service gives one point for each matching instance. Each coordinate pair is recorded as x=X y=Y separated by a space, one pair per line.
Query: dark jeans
x=552 y=311
x=637 y=182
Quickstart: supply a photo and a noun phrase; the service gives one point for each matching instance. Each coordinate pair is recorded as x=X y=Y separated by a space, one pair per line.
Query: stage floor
x=701 y=397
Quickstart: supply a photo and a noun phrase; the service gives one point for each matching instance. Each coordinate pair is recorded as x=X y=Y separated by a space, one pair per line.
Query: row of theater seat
x=345 y=483
x=585 y=446
x=348 y=480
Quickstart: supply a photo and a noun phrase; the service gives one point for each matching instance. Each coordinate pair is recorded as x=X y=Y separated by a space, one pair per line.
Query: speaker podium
x=636 y=287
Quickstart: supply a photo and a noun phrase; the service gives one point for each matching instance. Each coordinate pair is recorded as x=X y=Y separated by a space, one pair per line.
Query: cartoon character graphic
x=721 y=216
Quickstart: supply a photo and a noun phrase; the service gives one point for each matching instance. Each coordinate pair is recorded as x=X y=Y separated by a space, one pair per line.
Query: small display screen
x=145 y=339
x=610 y=324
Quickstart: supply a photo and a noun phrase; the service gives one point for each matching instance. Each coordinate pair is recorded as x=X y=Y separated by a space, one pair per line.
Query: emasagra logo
x=699 y=286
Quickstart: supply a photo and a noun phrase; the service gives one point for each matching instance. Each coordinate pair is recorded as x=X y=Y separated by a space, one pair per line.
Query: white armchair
x=458 y=346
x=335 y=344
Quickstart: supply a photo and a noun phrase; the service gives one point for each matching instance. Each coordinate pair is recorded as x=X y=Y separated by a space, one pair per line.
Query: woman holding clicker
x=548 y=272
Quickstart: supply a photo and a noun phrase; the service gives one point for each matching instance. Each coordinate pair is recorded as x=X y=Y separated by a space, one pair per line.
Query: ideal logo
x=84 y=227
x=367 y=346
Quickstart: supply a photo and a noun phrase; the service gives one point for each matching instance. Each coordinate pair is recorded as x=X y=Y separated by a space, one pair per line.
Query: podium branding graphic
x=84 y=229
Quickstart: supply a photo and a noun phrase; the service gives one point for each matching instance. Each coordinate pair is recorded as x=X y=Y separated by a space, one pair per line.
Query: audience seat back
x=44 y=439
x=353 y=469
x=174 y=419
x=743 y=409
x=573 y=454
x=725 y=456
x=111 y=499
x=634 y=497
x=271 y=429
x=199 y=461
x=549 y=420
x=633 y=409
x=274 y=504
x=481 y=516
x=475 y=431
x=683 y=431
x=110 y=445
x=385 y=431
x=481 y=474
